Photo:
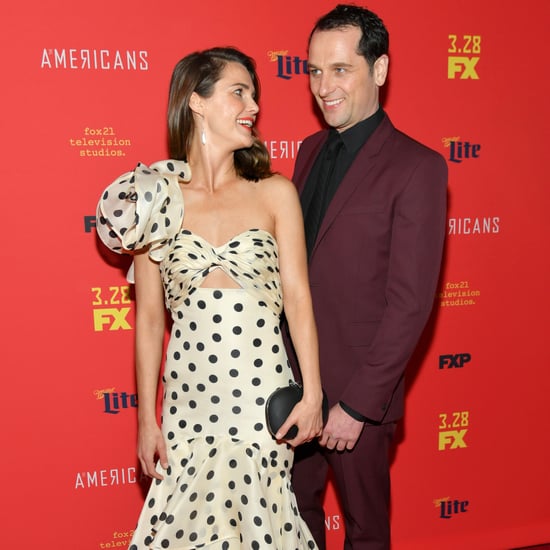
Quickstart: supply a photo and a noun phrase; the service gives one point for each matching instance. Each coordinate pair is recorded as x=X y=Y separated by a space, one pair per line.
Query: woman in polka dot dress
x=225 y=269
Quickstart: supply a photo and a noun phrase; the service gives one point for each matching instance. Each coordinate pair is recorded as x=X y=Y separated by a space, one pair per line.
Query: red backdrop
x=84 y=90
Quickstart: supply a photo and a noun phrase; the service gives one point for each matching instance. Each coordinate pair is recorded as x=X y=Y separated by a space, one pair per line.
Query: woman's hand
x=307 y=416
x=150 y=445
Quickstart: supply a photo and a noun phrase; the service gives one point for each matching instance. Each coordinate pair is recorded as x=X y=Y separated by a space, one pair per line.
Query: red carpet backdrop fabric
x=84 y=90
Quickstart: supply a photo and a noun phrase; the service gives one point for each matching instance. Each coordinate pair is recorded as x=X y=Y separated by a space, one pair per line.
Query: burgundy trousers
x=362 y=482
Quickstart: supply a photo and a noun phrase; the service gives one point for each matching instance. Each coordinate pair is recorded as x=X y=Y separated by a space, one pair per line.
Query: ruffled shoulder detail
x=143 y=208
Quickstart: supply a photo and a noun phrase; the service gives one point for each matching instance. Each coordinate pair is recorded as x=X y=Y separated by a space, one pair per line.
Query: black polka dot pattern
x=250 y=259
x=143 y=208
x=228 y=484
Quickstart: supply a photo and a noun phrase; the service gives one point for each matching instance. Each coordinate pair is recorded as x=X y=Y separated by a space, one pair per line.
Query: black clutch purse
x=281 y=402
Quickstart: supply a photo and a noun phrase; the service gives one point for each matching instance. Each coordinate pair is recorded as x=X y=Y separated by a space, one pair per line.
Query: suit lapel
x=358 y=173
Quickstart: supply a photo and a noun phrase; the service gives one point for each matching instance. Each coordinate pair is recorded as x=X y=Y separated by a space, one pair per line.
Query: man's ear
x=196 y=104
x=380 y=69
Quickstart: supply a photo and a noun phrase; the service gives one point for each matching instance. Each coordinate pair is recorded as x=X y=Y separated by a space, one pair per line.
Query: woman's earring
x=203 y=137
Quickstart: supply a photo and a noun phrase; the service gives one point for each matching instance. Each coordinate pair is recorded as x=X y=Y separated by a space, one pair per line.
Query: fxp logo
x=454 y=361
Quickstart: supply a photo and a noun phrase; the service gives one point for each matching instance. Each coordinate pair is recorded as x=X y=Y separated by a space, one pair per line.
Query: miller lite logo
x=449 y=508
x=460 y=150
x=288 y=65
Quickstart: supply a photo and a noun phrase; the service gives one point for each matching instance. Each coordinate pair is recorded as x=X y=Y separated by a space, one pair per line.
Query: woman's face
x=230 y=112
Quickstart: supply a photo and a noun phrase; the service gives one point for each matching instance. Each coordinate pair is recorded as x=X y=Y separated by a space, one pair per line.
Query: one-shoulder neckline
x=186 y=231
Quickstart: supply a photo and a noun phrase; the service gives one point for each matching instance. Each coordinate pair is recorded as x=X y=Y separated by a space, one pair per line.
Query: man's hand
x=341 y=431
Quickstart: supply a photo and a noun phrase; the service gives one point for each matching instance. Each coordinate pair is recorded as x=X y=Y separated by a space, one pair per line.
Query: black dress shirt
x=329 y=169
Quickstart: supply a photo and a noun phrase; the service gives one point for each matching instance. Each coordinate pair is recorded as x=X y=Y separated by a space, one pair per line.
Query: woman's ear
x=196 y=104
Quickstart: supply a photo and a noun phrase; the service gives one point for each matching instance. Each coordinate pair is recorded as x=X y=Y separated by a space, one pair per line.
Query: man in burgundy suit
x=374 y=204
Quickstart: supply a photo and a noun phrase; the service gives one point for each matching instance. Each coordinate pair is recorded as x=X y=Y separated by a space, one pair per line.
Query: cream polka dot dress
x=228 y=483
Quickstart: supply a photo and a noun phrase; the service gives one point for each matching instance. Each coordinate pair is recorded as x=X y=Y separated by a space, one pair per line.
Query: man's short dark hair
x=374 y=40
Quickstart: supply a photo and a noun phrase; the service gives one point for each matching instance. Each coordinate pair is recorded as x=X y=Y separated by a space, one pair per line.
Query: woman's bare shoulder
x=278 y=184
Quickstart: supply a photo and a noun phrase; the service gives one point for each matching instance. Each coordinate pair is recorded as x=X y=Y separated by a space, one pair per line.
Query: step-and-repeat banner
x=83 y=99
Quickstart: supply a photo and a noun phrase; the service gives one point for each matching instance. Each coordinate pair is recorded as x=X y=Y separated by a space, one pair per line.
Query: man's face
x=340 y=80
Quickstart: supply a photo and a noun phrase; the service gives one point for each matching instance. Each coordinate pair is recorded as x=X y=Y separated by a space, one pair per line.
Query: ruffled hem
x=222 y=493
x=143 y=208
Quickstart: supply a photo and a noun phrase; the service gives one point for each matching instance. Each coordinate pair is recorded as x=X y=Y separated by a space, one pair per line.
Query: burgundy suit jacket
x=375 y=265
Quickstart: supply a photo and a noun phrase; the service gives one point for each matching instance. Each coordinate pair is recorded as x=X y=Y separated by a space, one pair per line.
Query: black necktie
x=317 y=205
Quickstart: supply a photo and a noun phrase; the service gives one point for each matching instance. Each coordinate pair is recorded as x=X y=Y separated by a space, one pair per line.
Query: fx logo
x=113 y=318
x=454 y=439
x=464 y=66
x=456 y=361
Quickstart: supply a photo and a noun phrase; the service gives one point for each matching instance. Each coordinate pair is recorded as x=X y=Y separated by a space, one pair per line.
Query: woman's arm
x=289 y=232
x=150 y=326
